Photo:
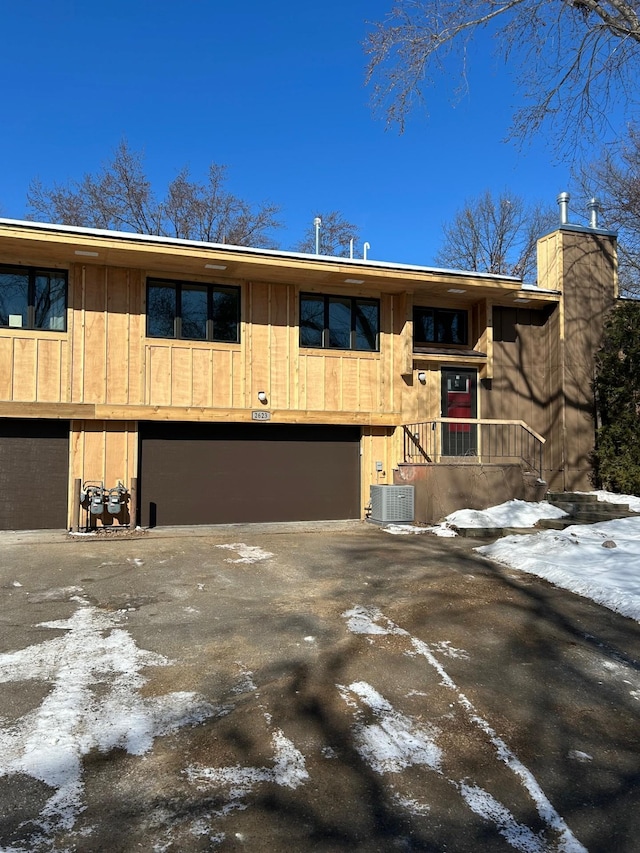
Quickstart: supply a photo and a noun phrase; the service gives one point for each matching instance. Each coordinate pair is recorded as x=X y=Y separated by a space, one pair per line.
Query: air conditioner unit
x=392 y=503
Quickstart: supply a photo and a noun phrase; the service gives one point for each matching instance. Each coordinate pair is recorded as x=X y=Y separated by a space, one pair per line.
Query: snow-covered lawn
x=598 y=561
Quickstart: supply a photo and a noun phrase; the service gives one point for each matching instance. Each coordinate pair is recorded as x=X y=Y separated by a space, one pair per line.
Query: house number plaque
x=260 y=415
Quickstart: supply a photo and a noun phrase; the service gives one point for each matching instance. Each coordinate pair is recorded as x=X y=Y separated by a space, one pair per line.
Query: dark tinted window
x=33 y=299
x=339 y=322
x=197 y=312
x=439 y=326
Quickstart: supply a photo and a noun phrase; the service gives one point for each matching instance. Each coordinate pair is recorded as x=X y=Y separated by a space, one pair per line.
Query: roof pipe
x=317 y=222
x=594 y=209
x=563 y=202
x=365 y=249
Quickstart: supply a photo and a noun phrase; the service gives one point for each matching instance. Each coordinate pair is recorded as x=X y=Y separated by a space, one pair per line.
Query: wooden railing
x=473 y=440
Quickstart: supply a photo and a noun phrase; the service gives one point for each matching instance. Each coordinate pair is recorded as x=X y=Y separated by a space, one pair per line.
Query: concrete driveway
x=320 y=688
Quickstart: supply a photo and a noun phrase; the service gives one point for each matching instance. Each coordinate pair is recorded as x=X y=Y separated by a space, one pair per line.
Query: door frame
x=459 y=439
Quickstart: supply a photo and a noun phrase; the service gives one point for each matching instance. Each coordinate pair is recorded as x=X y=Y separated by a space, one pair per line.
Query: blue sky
x=273 y=90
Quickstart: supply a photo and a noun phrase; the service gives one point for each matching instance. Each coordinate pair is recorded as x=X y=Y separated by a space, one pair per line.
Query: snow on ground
x=94 y=702
x=247 y=553
x=288 y=770
x=598 y=561
x=390 y=741
x=509 y=514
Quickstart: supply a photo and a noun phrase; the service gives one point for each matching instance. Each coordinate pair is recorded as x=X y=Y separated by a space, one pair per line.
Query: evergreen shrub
x=617 y=393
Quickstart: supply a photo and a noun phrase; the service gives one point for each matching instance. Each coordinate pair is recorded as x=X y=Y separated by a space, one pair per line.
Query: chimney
x=594 y=209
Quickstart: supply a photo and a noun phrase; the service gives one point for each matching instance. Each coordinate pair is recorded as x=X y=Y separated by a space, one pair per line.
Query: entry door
x=459 y=400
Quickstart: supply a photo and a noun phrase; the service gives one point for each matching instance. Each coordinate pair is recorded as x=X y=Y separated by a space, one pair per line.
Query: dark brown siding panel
x=34 y=474
x=230 y=473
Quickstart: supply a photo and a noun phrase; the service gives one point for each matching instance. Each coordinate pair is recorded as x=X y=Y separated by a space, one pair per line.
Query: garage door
x=227 y=473
x=34 y=474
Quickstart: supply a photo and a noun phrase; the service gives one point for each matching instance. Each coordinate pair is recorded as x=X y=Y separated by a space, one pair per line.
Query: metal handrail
x=479 y=439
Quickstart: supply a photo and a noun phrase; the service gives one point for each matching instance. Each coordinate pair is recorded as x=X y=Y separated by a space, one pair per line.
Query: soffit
x=20 y=244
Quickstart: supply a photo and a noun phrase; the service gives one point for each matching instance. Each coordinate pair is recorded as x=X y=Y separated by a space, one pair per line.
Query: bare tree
x=614 y=178
x=495 y=235
x=335 y=235
x=576 y=57
x=120 y=196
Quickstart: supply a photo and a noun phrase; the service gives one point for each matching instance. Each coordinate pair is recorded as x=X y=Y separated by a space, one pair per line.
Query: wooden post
x=75 y=509
x=133 y=504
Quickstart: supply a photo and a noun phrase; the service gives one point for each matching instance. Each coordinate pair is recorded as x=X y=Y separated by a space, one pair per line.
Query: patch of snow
x=246 y=684
x=513 y=513
x=404 y=529
x=394 y=741
x=366 y=620
x=247 y=553
x=518 y=836
x=442 y=529
x=412 y=806
x=574 y=559
x=288 y=770
x=445 y=648
x=95 y=674
x=580 y=756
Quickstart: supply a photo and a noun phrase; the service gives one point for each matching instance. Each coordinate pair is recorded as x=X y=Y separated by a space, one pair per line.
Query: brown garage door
x=227 y=473
x=34 y=474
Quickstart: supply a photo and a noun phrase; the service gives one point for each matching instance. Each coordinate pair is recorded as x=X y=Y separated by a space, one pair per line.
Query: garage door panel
x=34 y=474
x=216 y=474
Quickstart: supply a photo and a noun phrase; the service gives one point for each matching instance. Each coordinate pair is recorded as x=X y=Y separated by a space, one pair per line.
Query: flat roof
x=49 y=243
x=161 y=240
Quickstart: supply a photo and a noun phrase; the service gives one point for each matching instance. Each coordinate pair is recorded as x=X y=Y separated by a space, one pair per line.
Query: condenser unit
x=392 y=503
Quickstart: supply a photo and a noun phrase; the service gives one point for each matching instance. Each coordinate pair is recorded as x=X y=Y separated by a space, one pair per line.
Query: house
x=160 y=381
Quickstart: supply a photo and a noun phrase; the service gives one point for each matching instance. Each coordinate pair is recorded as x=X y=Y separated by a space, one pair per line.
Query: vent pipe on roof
x=594 y=209
x=365 y=249
x=563 y=202
x=317 y=222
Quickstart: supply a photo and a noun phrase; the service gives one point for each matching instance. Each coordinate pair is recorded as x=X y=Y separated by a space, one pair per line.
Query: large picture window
x=197 y=312
x=439 y=326
x=32 y=298
x=339 y=322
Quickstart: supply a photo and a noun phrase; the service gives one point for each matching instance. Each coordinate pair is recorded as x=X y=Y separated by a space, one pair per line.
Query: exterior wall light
x=262 y=396
x=422 y=377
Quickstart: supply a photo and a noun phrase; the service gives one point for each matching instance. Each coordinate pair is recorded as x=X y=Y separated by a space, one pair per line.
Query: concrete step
x=603 y=510
x=491 y=532
x=582 y=509
x=571 y=497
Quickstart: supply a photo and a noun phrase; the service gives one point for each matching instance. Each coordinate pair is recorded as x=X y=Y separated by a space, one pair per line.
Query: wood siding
x=105 y=375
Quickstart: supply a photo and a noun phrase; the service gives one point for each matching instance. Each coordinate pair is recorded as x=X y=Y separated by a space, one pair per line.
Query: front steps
x=582 y=509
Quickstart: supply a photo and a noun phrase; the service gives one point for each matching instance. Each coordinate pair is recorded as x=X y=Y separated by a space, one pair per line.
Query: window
x=339 y=322
x=32 y=298
x=439 y=326
x=196 y=312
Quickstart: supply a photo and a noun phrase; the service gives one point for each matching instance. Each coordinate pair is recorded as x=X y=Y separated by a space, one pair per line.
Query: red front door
x=459 y=400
